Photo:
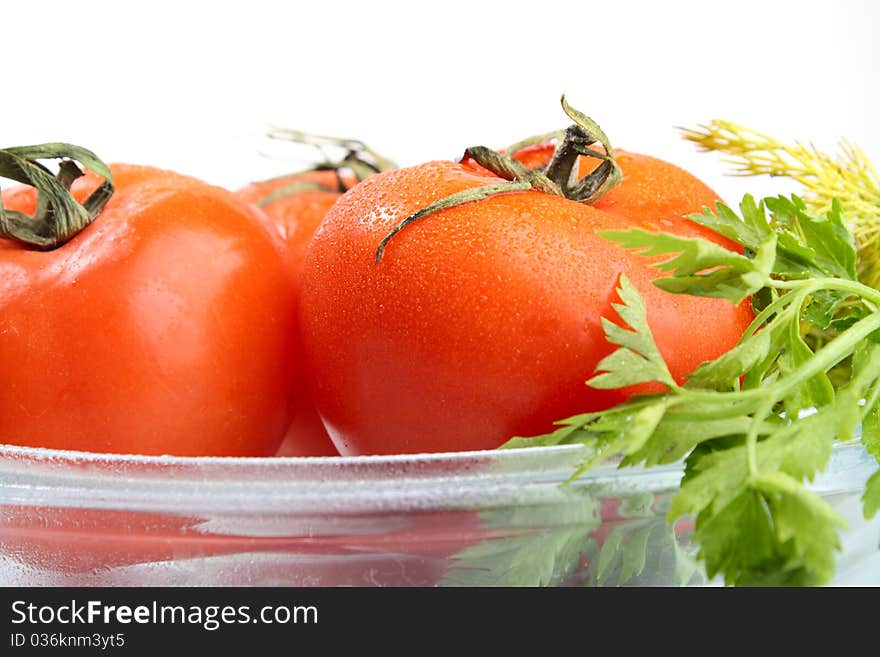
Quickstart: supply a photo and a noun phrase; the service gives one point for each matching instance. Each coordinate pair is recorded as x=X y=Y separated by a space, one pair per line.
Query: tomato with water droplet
x=483 y=321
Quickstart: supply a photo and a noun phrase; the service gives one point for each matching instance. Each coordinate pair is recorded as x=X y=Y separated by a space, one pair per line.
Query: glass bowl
x=498 y=518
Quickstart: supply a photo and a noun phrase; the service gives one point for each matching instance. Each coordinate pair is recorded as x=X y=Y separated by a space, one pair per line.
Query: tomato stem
x=59 y=216
x=361 y=161
x=546 y=138
x=465 y=196
x=559 y=177
x=296 y=187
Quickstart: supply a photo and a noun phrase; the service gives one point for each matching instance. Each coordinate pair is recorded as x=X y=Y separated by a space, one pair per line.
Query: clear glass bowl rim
x=342 y=484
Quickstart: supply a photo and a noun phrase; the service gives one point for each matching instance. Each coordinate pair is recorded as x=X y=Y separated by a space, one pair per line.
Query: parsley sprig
x=847 y=178
x=757 y=423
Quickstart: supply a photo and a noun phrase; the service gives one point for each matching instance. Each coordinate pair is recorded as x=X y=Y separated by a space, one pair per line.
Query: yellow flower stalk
x=849 y=177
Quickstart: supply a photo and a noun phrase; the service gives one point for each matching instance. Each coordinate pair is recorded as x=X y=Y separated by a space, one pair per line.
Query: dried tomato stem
x=59 y=216
x=511 y=169
x=366 y=154
x=559 y=177
x=562 y=167
x=361 y=161
x=465 y=196
x=546 y=138
x=294 y=188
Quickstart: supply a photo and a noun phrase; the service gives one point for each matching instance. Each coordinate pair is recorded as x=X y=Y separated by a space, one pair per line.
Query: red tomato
x=297 y=216
x=163 y=327
x=482 y=321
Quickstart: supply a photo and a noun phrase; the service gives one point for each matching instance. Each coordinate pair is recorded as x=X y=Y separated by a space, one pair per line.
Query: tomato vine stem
x=558 y=177
x=59 y=216
x=464 y=196
x=359 y=159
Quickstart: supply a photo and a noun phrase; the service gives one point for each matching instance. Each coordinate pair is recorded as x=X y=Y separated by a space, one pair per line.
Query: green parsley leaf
x=805 y=527
x=814 y=244
x=678 y=434
x=754 y=354
x=751 y=230
x=791 y=536
x=701 y=268
x=755 y=425
x=871 y=496
x=824 y=309
x=871 y=441
x=638 y=360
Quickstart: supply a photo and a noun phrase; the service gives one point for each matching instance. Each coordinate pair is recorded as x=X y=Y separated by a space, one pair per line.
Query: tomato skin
x=482 y=322
x=162 y=328
x=296 y=217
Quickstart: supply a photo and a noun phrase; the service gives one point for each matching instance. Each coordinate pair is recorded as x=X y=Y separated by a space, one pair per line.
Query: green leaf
x=721 y=538
x=871 y=431
x=596 y=430
x=802 y=448
x=701 y=267
x=569 y=432
x=783 y=327
x=799 y=448
x=673 y=439
x=624 y=368
x=621 y=432
x=804 y=524
x=820 y=244
x=795 y=260
x=864 y=385
x=815 y=391
x=808 y=245
x=716 y=478
x=792 y=536
x=871 y=426
x=870 y=438
x=871 y=496
x=750 y=231
x=823 y=306
x=758 y=422
x=755 y=353
x=638 y=360
x=847 y=316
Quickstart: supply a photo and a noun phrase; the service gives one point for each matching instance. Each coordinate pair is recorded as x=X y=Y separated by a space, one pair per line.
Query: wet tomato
x=482 y=321
x=297 y=215
x=162 y=327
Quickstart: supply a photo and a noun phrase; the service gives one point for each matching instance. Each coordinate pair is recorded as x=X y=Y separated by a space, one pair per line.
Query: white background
x=192 y=85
